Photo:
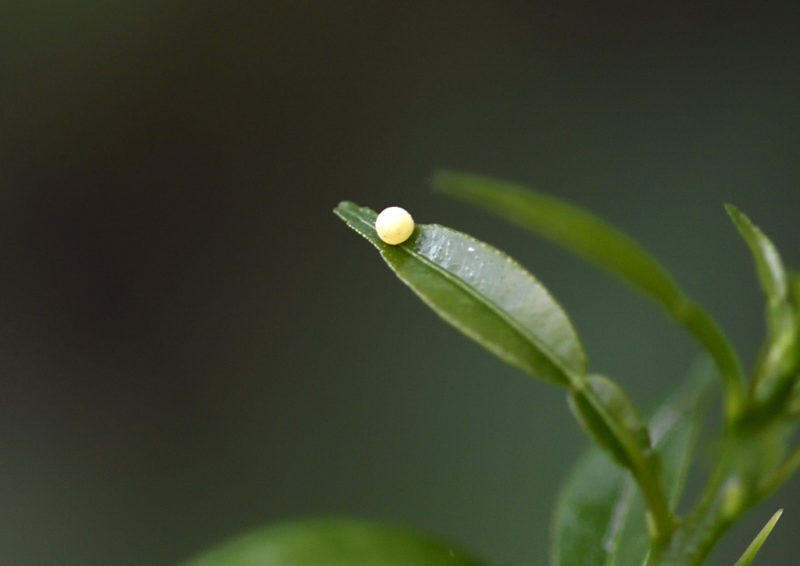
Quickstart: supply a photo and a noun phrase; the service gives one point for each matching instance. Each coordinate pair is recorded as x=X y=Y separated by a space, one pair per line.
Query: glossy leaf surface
x=600 y=514
x=332 y=543
x=589 y=236
x=484 y=294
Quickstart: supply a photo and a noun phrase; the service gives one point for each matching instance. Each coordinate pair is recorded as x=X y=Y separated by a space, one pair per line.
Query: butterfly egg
x=394 y=225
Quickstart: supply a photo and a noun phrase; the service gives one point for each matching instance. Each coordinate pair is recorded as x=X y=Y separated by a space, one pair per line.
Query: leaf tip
x=440 y=180
x=774 y=519
x=734 y=213
x=751 y=551
x=343 y=205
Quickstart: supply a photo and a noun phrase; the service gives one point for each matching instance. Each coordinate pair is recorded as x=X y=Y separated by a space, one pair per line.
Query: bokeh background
x=192 y=345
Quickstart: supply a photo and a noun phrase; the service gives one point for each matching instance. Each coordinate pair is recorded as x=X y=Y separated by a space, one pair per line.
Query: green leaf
x=586 y=511
x=606 y=412
x=594 y=239
x=749 y=554
x=484 y=294
x=619 y=421
x=600 y=515
x=332 y=543
x=675 y=428
x=769 y=266
x=774 y=279
x=778 y=359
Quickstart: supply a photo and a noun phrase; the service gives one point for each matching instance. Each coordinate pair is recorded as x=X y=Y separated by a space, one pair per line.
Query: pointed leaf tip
x=769 y=265
x=750 y=554
x=778 y=359
x=483 y=293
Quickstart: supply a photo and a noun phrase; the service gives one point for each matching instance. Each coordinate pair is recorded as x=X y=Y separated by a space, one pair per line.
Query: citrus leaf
x=590 y=237
x=600 y=514
x=484 y=294
x=332 y=543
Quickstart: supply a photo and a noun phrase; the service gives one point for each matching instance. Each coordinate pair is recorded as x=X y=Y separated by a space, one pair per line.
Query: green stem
x=709 y=334
x=749 y=468
x=693 y=540
x=776 y=479
x=662 y=520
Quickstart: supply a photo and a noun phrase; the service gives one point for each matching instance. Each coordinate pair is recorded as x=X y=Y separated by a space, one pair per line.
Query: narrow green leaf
x=594 y=239
x=774 y=279
x=569 y=226
x=600 y=515
x=749 y=554
x=332 y=543
x=778 y=358
x=484 y=294
x=769 y=266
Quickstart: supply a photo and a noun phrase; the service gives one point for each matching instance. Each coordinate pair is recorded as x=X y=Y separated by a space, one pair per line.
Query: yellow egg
x=394 y=225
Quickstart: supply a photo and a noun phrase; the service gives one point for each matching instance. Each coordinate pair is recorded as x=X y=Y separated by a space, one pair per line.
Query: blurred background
x=192 y=345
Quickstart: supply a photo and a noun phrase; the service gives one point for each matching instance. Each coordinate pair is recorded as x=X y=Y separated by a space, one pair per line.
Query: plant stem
x=663 y=521
x=709 y=334
x=751 y=452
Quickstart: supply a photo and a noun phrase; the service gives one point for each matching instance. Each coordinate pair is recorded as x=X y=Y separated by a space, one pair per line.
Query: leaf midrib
x=572 y=377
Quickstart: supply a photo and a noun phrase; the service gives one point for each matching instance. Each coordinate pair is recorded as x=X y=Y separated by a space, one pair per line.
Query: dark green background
x=191 y=344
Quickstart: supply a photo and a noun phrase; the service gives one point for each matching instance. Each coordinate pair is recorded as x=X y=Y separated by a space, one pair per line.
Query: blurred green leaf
x=587 y=510
x=779 y=357
x=600 y=515
x=675 y=428
x=749 y=554
x=769 y=266
x=333 y=543
x=484 y=294
x=594 y=239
